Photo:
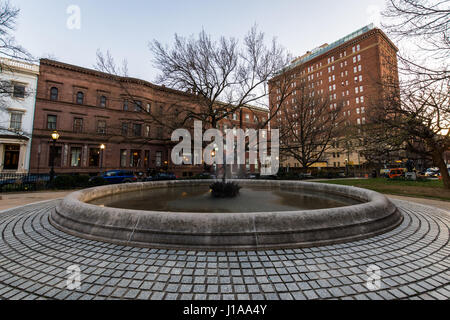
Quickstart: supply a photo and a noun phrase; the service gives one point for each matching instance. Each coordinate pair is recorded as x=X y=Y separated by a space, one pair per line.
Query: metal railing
x=16 y=182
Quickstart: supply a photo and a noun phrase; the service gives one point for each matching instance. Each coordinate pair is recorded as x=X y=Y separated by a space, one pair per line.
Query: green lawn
x=433 y=189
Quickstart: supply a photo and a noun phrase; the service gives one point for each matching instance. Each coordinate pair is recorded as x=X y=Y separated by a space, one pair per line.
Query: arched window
x=54 y=94
x=80 y=97
x=103 y=100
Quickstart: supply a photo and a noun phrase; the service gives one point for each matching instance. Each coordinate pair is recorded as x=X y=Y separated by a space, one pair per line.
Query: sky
x=72 y=31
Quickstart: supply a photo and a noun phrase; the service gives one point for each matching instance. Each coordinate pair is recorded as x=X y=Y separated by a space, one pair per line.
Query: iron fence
x=15 y=182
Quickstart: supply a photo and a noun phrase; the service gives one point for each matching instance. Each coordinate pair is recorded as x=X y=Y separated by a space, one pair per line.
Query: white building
x=17 y=104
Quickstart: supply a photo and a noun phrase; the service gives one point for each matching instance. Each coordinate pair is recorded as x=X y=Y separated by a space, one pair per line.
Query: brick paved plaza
x=413 y=258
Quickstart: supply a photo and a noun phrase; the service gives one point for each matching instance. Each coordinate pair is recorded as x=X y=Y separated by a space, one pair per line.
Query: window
x=357 y=110
x=123 y=158
x=159 y=131
x=101 y=127
x=55 y=154
x=135 y=159
x=19 y=91
x=359 y=57
x=358 y=121
x=362 y=99
x=78 y=125
x=138 y=106
x=158 y=159
x=356 y=90
x=360 y=78
x=103 y=101
x=125 y=129
x=357 y=100
x=11 y=156
x=80 y=97
x=147 y=159
x=125 y=105
x=54 y=94
x=363 y=109
x=359 y=68
x=51 y=122
x=16 y=121
x=94 y=157
x=137 y=130
x=358 y=47
x=361 y=88
x=75 y=157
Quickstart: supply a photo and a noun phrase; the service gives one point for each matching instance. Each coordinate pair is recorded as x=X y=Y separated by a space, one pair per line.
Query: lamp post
x=55 y=137
x=102 y=149
x=346 y=167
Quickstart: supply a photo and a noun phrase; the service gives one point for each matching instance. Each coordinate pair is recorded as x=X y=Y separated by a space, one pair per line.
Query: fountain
x=267 y=214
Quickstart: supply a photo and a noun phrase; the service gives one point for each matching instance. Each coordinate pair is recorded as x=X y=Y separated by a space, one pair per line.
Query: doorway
x=11 y=159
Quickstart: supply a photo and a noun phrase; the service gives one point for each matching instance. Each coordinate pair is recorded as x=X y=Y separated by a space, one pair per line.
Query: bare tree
x=10 y=49
x=8 y=21
x=8 y=46
x=415 y=120
x=106 y=63
x=223 y=75
x=308 y=124
x=423 y=27
x=211 y=80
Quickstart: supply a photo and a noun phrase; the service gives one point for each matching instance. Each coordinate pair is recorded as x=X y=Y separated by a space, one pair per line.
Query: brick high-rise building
x=348 y=71
x=128 y=116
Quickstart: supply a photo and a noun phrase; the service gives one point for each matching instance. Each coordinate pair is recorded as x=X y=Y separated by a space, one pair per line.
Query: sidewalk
x=12 y=200
x=445 y=205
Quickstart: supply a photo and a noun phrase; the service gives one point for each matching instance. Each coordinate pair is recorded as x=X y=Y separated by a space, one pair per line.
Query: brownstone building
x=128 y=116
x=348 y=71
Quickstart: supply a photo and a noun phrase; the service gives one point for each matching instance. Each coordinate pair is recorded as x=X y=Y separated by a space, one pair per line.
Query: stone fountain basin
x=226 y=231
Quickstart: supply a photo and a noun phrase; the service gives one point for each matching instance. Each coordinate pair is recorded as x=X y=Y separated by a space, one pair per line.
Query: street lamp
x=346 y=167
x=102 y=149
x=55 y=137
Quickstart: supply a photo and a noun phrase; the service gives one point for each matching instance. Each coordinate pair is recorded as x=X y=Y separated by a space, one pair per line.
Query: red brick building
x=348 y=71
x=128 y=116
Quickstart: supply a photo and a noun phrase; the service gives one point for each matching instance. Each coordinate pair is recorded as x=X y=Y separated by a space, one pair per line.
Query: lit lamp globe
x=55 y=135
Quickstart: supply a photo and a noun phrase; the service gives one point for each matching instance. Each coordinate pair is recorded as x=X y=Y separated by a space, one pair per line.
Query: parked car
x=118 y=176
x=7 y=182
x=440 y=175
x=431 y=172
x=36 y=178
x=252 y=176
x=396 y=173
x=205 y=175
x=161 y=176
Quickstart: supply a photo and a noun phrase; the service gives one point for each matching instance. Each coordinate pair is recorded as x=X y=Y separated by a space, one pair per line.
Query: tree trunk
x=438 y=159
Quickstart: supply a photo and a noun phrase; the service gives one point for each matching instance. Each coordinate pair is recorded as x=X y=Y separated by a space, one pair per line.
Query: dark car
x=118 y=176
x=161 y=176
x=7 y=182
x=205 y=175
x=36 y=178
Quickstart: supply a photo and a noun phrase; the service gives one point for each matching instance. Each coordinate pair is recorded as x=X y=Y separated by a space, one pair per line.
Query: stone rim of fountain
x=226 y=231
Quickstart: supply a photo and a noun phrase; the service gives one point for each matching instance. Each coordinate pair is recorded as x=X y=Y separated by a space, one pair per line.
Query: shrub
x=225 y=189
x=97 y=181
x=63 y=182
x=81 y=181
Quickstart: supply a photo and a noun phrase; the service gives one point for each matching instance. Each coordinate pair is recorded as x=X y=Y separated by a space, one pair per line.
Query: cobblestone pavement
x=413 y=258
